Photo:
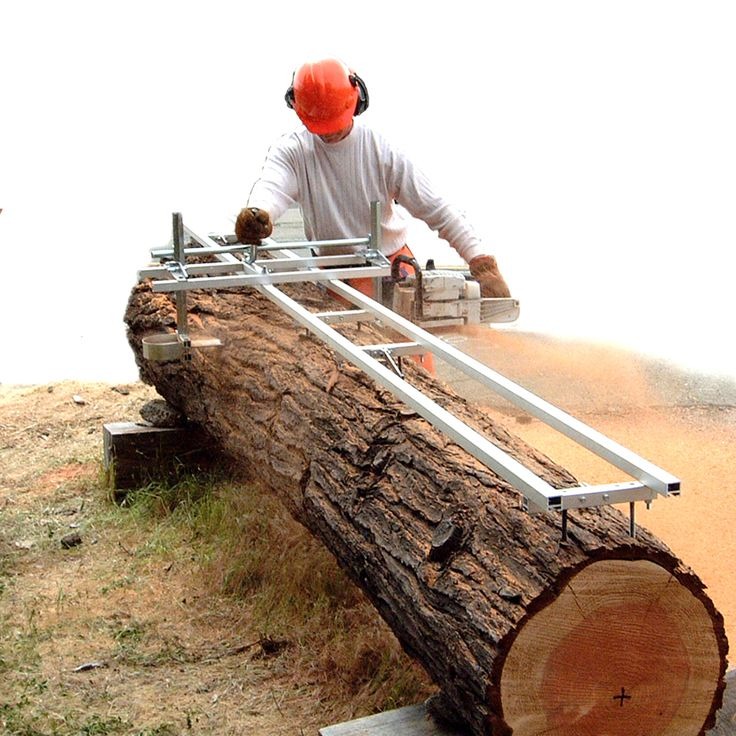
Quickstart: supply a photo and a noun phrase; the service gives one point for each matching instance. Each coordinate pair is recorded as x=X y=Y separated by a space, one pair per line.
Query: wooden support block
x=136 y=454
x=413 y=720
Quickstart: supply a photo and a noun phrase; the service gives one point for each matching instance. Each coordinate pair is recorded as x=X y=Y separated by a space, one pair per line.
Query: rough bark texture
x=439 y=543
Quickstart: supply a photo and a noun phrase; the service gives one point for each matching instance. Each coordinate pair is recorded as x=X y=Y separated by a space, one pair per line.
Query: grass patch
x=250 y=548
x=139 y=594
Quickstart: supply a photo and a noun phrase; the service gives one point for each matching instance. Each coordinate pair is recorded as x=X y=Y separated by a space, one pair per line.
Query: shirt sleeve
x=414 y=191
x=276 y=189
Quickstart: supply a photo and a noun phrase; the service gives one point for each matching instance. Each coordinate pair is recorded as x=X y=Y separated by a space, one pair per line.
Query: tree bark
x=602 y=634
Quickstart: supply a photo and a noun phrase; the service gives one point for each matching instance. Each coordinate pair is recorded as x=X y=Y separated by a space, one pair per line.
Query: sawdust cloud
x=642 y=406
x=597 y=375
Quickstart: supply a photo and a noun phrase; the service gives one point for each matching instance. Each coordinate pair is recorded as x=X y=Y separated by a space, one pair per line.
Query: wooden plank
x=413 y=720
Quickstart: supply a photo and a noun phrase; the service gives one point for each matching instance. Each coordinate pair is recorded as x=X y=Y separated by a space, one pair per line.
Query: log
x=523 y=634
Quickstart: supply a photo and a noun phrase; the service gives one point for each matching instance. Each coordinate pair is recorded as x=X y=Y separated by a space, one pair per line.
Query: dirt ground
x=108 y=625
x=120 y=627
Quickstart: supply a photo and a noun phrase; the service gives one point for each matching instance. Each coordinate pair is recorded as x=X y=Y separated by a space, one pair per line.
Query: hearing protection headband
x=360 y=106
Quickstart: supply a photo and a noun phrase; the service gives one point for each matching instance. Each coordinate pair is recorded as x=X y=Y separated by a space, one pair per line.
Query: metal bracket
x=177 y=270
x=387 y=355
x=165 y=346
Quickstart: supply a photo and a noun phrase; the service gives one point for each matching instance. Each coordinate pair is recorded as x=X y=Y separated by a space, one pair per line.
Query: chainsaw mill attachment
x=283 y=264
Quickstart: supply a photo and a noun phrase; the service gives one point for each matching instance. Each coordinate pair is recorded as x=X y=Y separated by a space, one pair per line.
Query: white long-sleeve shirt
x=334 y=184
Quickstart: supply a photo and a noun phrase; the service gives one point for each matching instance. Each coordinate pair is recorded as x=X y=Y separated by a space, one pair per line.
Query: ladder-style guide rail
x=648 y=480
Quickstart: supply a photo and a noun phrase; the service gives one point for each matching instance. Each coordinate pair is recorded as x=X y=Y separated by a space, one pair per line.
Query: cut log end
x=624 y=649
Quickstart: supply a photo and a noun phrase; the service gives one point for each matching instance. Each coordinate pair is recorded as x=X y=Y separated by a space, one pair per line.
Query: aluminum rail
x=649 y=479
x=214 y=248
x=271 y=265
x=648 y=474
x=537 y=491
x=264 y=278
x=309 y=244
x=532 y=486
x=252 y=273
x=629 y=462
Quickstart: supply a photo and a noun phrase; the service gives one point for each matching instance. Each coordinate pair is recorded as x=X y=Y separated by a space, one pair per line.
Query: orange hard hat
x=326 y=95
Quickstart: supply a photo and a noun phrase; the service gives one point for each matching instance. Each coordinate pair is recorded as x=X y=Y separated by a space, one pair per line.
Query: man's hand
x=253 y=225
x=484 y=270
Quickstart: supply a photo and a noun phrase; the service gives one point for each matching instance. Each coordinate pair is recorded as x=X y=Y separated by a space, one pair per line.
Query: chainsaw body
x=432 y=297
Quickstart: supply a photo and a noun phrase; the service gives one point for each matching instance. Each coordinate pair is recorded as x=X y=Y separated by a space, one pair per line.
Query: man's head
x=326 y=94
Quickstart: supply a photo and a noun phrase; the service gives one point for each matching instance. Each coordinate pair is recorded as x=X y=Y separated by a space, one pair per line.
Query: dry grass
x=299 y=595
x=201 y=608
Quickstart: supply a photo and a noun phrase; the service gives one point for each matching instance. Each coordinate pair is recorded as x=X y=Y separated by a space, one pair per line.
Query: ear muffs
x=360 y=106
x=289 y=96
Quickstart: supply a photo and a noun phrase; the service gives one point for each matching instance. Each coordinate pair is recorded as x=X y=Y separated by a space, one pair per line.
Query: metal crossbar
x=648 y=482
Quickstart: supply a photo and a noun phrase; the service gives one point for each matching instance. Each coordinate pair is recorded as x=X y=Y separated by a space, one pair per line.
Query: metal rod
x=375 y=239
x=182 y=329
x=193 y=269
x=274 y=265
x=213 y=248
x=632 y=519
x=255 y=279
x=301 y=244
x=287 y=264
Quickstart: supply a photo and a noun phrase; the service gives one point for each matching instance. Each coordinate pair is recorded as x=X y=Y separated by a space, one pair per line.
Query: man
x=335 y=166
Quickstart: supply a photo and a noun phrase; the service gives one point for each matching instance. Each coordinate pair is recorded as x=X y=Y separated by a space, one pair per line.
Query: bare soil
x=123 y=633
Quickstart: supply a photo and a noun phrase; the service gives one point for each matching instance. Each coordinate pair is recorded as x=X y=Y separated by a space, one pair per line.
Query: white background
x=592 y=144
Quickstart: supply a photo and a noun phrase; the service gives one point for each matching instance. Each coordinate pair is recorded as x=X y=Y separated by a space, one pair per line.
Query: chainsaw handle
x=419 y=286
x=396 y=276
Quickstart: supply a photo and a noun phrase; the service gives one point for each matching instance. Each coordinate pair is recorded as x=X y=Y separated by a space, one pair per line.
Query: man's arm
x=271 y=195
x=416 y=193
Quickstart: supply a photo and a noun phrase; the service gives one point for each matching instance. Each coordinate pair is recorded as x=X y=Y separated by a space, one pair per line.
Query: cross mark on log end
x=622 y=696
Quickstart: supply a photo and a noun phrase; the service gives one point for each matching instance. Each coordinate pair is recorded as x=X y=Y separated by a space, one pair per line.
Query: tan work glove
x=484 y=270
x=253 y=225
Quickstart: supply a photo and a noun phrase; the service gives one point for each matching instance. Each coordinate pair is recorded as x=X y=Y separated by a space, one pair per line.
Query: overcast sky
x=591 y=143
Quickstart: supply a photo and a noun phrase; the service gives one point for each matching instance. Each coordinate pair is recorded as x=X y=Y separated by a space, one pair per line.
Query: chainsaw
x=446 y=297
